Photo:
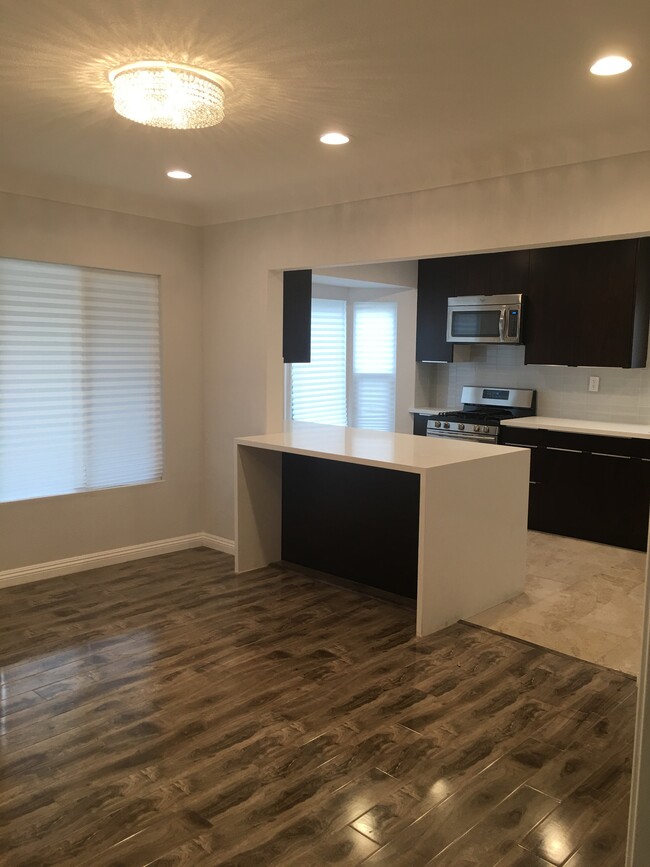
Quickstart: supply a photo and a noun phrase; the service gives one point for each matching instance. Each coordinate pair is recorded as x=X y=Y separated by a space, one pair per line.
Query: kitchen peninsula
x=444 y=521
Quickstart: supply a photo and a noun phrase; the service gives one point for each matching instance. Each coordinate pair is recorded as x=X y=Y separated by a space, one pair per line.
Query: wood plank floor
x=168 y=712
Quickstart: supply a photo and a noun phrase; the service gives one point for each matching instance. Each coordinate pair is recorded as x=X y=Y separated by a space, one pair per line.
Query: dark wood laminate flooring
x=168 y=712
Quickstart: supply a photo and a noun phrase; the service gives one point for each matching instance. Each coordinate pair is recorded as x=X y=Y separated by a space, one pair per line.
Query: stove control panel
x=460 y=430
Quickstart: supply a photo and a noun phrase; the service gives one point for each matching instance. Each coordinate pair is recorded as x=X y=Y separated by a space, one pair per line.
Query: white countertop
x=432 y=410
x=372 y=447
x=575 y=425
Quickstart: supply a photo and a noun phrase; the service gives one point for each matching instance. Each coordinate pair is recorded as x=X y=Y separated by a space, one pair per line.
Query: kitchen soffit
x=431 y=94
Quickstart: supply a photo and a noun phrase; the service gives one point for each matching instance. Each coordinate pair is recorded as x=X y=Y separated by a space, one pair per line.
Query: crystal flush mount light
x=168 y=95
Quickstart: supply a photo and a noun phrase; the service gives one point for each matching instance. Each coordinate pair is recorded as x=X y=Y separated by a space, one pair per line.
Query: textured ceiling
x=431 y=92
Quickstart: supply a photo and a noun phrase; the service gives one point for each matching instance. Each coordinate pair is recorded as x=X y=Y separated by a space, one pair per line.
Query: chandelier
x=168 y=95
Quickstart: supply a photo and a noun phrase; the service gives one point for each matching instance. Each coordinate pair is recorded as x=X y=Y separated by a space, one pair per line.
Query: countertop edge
x=579 y=426
x=500 y=451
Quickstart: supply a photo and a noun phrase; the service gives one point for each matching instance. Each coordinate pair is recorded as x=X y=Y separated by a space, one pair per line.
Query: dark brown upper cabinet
x=436 y=282
x=587 y=304
x=439 y=279
x=296 y=316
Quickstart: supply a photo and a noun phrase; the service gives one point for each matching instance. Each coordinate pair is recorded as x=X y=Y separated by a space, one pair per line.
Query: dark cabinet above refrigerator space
x=585 y=305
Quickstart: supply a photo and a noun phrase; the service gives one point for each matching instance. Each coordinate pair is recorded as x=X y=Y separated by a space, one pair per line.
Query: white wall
x=396 y=274
x=243 y=261
x=38 y=531
x=561 y=391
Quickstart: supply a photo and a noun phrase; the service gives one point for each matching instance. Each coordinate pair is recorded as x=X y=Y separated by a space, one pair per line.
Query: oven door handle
x=477 y=438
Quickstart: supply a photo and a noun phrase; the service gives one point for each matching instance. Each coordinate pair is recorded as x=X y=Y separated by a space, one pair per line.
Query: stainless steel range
x=482 y=412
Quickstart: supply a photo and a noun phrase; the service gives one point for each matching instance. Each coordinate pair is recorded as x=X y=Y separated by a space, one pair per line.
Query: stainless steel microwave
x=484 y=319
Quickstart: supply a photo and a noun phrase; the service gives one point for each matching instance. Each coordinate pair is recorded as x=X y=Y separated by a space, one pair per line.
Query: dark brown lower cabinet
x=420 y=424
x=588 y=487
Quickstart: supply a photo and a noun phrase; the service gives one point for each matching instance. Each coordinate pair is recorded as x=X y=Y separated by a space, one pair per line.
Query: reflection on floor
x=581 y=598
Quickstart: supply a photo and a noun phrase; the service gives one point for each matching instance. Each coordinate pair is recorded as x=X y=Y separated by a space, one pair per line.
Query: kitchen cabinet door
x=587 y=486
x=619 y=508
x=587 y=305
x=598 y=497
x=566 y=498
x=533 y=440
x=296 y=316
x=436 y=282
x=503 y=273
x=551 y=307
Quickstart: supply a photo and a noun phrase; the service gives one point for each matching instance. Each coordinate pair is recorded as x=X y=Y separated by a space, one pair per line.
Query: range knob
x=486 y=429
x=461 y=426
x=437 y=424
x=477 y=428
x=446 y=425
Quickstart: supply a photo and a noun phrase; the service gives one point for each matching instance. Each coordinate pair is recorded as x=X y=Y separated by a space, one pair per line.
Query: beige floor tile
x=638 y=593
x=494 y=617
x=539 y=586
x=622 y=616
x=580 y=598
x=625 y=656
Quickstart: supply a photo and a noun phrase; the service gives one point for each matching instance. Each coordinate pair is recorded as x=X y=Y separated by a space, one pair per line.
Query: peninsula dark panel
x=350 y=520
x=296 y=316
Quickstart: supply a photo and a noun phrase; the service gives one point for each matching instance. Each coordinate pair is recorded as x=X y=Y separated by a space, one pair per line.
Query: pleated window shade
x=318 y=388
x=372 y=398
x=79 y=379
x=351 y=379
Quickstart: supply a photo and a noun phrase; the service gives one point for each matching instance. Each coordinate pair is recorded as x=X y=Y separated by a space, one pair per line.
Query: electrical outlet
x=594 y=383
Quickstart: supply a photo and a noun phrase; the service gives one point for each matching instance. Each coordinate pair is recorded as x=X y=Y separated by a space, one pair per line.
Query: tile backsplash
x=562 y=392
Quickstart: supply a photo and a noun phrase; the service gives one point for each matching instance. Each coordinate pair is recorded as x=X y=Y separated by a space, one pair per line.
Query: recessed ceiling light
x=179 y=175
x=334 y=138
x=611 y=65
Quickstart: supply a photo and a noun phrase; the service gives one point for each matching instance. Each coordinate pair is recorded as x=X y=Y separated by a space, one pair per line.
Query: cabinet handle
x=519 y=445
x=608 y=455
x=556 y=449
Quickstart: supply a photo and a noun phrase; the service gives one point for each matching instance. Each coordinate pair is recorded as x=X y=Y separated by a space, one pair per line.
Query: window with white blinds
x=372 y=399
x=318 y=388
x=79 y=379
x=351 y=377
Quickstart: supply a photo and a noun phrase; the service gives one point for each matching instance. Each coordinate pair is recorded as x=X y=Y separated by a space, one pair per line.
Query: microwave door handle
x=502 y=325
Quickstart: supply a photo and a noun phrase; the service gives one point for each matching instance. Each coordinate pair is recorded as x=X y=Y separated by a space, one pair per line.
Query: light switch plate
x=594 y=383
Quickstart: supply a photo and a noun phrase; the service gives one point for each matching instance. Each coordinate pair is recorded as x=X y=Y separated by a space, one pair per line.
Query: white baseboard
x=227 y=546
x=70 y=565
